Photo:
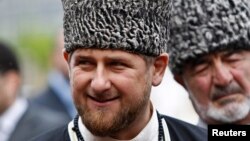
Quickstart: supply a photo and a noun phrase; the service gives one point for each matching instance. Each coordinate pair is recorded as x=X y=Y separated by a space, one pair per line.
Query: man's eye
x=233 y=58
x=198 y=69
x=118 y=65
x=84 y=62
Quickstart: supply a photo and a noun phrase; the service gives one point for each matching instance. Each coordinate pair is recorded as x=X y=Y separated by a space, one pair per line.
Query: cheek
x=129 y=84
x=6 y=99
x=123 y=83
x=199 y=88
x=78 y=82
x=246 y=72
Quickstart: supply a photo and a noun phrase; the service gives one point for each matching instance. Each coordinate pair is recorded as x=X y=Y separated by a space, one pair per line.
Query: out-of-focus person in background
x=57 y=96
x=19 y=119
x=210 y=56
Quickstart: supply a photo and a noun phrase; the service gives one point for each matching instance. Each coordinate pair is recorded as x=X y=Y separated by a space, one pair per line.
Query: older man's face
x=219 y=86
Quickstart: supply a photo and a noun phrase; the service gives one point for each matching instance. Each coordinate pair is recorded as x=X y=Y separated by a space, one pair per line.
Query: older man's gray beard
x=230 y=113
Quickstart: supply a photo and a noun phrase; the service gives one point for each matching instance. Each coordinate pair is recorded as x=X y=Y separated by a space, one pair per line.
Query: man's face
x=9 y=85
x=219 y=86
x=110 y=88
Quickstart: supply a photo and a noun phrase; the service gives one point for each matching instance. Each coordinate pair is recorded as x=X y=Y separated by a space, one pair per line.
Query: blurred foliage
x=36 y=47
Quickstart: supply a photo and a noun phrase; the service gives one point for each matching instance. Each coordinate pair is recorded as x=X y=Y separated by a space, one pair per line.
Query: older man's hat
x=199 y=27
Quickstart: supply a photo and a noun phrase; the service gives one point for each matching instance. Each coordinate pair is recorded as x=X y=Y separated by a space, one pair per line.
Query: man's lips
x=225 y=95
x=103 y=100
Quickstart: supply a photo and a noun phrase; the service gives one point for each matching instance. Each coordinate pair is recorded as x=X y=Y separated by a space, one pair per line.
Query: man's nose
x=221 y=74
x=100 y=81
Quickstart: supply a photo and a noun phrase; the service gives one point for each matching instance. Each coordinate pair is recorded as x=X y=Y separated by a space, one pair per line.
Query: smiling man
x=116 y=52
x=210 y=57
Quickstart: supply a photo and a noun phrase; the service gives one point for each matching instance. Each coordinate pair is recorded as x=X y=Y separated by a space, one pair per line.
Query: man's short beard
x=99 y=126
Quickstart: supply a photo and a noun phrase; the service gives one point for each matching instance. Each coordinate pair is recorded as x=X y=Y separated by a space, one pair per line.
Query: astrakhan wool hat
x=137 y=26
x=202 y=26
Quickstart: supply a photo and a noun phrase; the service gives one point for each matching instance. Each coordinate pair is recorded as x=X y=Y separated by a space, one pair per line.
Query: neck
x=137 y=125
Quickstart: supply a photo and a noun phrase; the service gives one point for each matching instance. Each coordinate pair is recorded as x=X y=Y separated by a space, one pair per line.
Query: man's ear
x=160 y=65
x=179 y=79
x=65 y=55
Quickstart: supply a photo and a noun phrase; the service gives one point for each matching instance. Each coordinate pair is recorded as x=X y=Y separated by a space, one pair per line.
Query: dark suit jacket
x=50 y=100
x=178 y=130
x=36 y=120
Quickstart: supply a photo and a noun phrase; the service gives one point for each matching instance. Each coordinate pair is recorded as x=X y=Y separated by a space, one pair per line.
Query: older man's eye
x=200 y=68
x=234 y=58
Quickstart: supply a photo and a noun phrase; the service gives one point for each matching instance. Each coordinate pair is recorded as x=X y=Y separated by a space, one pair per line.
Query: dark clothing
x=59 y=134
x=50 y=100
x=35 y=121
x=183 y=131
x=178 y=130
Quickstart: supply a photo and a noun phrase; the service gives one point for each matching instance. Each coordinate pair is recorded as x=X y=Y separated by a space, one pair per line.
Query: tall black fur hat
x=138 y=26
x=202 y=26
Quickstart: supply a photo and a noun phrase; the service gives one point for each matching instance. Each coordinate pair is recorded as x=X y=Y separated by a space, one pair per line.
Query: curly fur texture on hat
x=137 y=26
x=202 y=26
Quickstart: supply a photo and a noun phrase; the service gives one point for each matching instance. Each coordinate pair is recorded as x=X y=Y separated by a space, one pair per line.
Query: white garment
x=10 y=118
x=149 y=133
x=201 y=123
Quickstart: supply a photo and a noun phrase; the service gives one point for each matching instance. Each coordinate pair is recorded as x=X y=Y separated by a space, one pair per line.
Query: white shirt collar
x=10 y=118
x=201 y=123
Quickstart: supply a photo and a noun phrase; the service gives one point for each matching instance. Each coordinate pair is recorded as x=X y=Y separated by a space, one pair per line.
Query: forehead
x=105 y=53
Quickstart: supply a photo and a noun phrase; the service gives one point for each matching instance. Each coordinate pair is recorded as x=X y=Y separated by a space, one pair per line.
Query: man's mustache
x=219 y=91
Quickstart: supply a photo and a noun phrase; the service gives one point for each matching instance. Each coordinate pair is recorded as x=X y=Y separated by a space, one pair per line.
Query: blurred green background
x=30 y=27
x=36 y=47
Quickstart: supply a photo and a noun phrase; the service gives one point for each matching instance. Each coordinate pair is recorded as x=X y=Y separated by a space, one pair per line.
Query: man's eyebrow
x=80 y=56
x=117 y=58
x=83 y=57
x=230 y=52
x=195 y=62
